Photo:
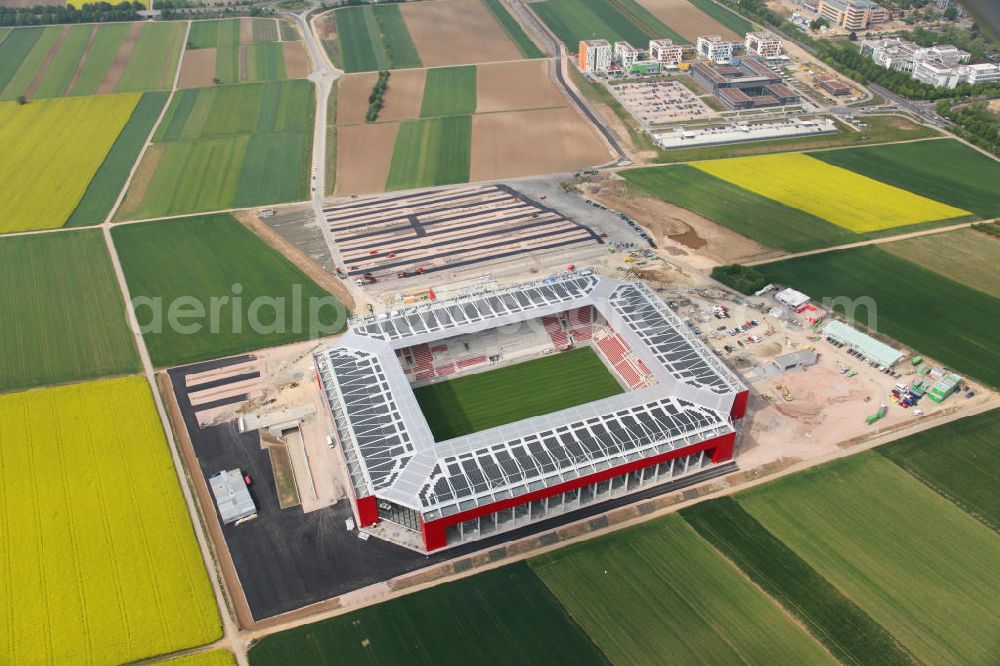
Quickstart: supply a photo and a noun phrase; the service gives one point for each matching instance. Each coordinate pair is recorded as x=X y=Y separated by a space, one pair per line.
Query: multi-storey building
x=626 y=55
x=594 y=55
x=763 y=44
x=665 y=52
x=852 y=14
x=715 y=48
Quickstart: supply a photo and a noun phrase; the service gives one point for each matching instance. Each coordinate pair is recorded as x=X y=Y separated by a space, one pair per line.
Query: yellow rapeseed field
x=834 y=194
x=50 y=150
x=98 y=559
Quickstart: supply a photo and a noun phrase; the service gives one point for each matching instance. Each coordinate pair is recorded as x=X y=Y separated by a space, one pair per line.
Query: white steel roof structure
x=392 y=454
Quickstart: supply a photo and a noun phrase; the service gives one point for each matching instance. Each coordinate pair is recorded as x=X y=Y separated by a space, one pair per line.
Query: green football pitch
x=489 y=399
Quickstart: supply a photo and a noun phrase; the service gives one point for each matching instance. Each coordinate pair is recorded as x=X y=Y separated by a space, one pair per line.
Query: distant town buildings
x=715 y=48
x=942 y=65
x=594 y=55
x=763 y=44
x=852 y=14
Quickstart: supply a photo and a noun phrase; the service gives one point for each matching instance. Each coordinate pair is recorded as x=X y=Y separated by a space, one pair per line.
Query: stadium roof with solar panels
x=392 y=454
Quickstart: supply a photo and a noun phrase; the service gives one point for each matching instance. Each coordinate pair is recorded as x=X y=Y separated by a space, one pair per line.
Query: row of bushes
x=375 y=100
x=96 y=12
x=991 y=228
x=744 y=279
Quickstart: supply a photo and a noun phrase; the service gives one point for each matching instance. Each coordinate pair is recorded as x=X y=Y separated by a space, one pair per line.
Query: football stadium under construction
x=676 y=412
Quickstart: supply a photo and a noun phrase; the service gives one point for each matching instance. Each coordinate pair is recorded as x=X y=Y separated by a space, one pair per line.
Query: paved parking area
x=658 y=102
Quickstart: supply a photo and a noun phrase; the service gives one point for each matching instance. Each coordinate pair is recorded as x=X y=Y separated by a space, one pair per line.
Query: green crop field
x=374 y=38
x=764 y=220
x=846 y=630
x=919 y=565
x=428 y=152
x=449 y=91
x=959 y=460
x=659 y=594
x=968 y=256
x=155 y=58
x=110 y=178
x=13 y=50
x=525 y=45
x=265 y=61
x=32 y=63
x=99 y=563
x=731 y=20
x=60 y=71
x=496 y=397
x=614 y=20
x=205 y=34
x=228 y=146
x=264 y=29
x=503 y=616
x=200 y=259
x=950 y=322
x=944 y=170
x=64 y=317
x=103 y=50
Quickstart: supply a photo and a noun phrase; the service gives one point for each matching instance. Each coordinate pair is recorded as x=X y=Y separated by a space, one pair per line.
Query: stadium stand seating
x=555 y=330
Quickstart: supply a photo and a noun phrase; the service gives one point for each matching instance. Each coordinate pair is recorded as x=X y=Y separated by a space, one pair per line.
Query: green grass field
x=950 y=322
x=64 y=317
x=110 y=178
x=435 y=151
x=201 y=258
x=944 y=170
x=659 y=594
x=229 y=146
x=449 y=91
x=525 y=45
x=374 y=38
x=731 y=20
x=105 y=47
x=764 y=220
x=846 y=630
x=614 y=20
x=504 y=616
x=919 y=565
x=959 y=460
x=968 y=256
x=496 y=397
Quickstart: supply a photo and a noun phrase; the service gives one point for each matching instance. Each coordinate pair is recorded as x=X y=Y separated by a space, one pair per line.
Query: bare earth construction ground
x=363 y=156
x=509 y=86
x=457 y=32
x=687 y=19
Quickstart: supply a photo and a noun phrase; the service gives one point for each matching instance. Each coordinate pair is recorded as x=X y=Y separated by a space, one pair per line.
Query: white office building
x=626 y=55
x=594 y=55
x=665 y=52
x=716 y=49
x=763 y=44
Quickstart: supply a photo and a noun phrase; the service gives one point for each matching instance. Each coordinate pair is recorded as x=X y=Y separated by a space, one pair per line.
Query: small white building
x=764 y=44
x=982 y=73
x=626 y=55
x=594 y=55
x=716 y=49
x=937 y=74
x=665 y=52
x=791 y=298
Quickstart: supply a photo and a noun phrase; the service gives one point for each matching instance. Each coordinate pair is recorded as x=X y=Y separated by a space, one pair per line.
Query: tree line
x=375 y=99
x=974 y=123
x=94 y=12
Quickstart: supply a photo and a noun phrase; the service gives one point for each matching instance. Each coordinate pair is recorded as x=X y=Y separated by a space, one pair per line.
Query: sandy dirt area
x=404 y=94
x=297 y=63
x=457 y=32
x=363 y=156
x=197 y=69
x=352 y=97
x=49 y=57
x=524 y=143
x=993 y=106
x=687 y=19
x=114 y=73
x=246 y=30
x=509 y=86
x=678 y=230
x=140 y=181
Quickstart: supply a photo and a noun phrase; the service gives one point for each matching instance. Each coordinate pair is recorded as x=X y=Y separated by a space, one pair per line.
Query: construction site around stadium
x=622 y=396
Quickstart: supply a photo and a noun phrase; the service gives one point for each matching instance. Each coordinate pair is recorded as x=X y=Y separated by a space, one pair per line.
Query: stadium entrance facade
x=675 y=413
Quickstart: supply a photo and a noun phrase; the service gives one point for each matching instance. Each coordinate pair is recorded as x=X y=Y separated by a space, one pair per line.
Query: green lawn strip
x=959 y=460
x=331 y=142
x=400 y=49
x=203 y=257
x=13 y=51
x=525 y=45
x=103 y=50
x=764 y=220
x=659 y=594
x=575 y=20
x=265 y=61
x=275 y=169
x=358 y=40
x=919 y=565
x=31 y=64
x=67 y=319
x=264 y=30
x=449 y=91
x=502 y=616
x=943 y=170
x=496 y=397
x=155 y=58
x=110 y=178
x=203 y=34
x=880 y=130
x=435 y=151
x=946 y=320
x=731 y=20
x=60 y=71
x=846 y=630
